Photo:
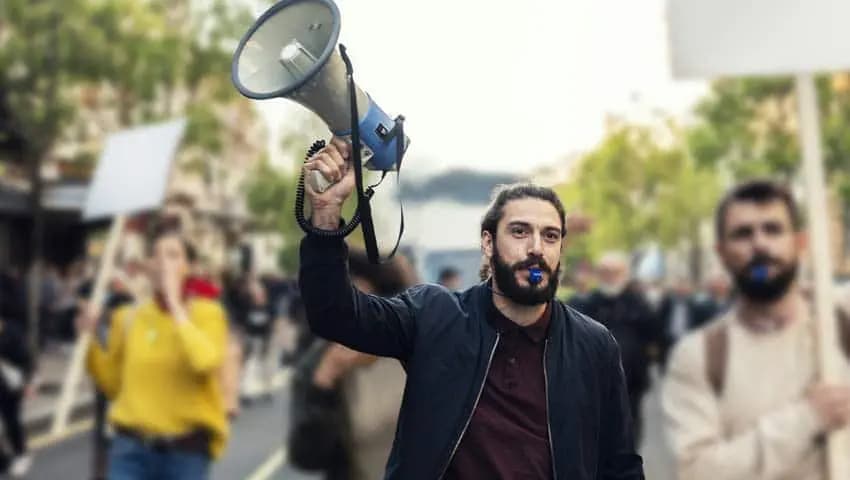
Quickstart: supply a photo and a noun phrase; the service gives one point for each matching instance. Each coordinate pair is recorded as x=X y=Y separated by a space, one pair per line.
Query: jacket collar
x=482 y=298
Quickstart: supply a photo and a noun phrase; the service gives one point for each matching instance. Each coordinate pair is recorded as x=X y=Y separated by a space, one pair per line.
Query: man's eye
x=742 y=233
x=553 y=237
x=517 y=230
x=773 y=228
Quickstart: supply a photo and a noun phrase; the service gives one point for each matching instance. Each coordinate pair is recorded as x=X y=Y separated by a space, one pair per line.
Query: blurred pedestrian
x=618 y=305
x=161 y=370
x=715 y=299
x=449 y=277
x=13 y=298
x=371 y=387
x=582 y=282
x=16 y=371
x=742 y=399
x=257 y=326
x=678 y=313
x=65 y=305
x=503 y=381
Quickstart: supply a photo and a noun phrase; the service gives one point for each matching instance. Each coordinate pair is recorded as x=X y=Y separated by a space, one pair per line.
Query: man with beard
x=741 y=399
x=616 y=304
x=503 y=381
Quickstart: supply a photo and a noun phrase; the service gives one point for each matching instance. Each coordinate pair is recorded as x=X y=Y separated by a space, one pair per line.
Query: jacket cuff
x=316 y=250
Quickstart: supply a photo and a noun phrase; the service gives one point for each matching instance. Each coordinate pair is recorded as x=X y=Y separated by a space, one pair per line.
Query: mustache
x=528 y=262
x=760 y=259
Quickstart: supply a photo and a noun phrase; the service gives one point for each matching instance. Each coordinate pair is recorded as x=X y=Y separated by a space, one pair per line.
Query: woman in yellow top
x=161 y=369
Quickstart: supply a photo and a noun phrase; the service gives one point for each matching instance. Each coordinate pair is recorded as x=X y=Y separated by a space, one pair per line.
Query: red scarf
x=194 y=287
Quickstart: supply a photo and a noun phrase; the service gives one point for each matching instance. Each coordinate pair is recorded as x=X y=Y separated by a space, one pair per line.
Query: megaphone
x=290 y=52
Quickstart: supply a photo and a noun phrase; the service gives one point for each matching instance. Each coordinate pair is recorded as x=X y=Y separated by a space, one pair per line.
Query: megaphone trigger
x=318 y=182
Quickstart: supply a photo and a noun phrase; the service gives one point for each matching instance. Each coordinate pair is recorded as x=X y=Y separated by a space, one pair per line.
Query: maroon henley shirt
x=508 y=435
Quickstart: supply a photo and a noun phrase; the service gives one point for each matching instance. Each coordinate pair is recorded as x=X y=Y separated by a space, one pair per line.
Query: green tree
x=149 y=52
x=641 y=185
x=748 y=127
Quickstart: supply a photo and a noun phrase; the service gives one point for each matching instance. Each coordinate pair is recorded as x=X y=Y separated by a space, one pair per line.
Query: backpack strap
x=843 y=319
x=716 y=339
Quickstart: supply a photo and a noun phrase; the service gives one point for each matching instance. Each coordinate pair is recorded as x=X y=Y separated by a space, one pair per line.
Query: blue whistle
x=759 y=273
x=535 y=276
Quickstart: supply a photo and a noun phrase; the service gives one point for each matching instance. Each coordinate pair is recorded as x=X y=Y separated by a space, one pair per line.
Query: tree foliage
x=159 y=59
x=748 y=127
x=640 y=185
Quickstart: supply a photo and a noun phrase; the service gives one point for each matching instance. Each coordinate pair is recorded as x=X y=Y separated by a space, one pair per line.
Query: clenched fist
x=334 y=163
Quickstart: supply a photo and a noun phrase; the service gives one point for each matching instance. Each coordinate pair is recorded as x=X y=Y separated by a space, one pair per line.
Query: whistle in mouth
x=535 y=276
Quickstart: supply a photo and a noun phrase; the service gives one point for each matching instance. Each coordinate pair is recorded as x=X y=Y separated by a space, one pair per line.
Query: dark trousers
x=10 y=412
x=100 y=453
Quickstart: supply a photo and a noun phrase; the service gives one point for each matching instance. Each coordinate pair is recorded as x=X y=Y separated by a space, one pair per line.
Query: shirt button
x=512 y=360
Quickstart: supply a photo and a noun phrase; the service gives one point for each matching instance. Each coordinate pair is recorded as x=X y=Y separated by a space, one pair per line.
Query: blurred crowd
x=242 y=314
x=646 y=316
x=218 y=339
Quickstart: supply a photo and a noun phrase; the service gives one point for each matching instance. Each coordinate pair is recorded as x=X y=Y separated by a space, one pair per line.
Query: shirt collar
x=536 y=332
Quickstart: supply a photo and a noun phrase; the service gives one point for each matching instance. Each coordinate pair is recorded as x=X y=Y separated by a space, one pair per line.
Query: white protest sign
x=133 y=170
x=711 y=38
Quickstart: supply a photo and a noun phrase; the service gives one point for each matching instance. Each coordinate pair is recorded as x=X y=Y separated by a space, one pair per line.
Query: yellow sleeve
x=105 y=364
x=204 y=336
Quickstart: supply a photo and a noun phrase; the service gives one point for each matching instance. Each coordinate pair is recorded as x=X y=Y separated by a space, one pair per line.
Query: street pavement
x=657 y=457
x=256 y=435
x=256 y=450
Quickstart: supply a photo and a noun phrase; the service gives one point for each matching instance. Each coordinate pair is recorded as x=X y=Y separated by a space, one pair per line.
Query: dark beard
x=765 y=290
x=530 y=295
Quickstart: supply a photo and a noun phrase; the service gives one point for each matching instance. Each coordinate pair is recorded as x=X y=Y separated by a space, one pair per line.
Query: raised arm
x=335 y=309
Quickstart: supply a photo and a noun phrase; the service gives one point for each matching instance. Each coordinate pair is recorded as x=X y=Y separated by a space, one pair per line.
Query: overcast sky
x=507 y=86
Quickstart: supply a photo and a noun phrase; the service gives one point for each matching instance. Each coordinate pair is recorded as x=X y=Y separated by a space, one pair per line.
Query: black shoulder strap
x=716 y=339
x=364 y=196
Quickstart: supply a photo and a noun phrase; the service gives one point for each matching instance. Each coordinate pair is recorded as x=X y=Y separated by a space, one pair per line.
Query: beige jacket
x=760 y=427
x=373 y=394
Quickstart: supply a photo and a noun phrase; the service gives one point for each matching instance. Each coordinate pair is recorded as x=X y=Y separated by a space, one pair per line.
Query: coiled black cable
x=299 y=205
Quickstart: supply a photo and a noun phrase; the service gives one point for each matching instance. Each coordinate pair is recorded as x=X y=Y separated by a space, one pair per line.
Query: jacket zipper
x=474 y=406
x=548 y=422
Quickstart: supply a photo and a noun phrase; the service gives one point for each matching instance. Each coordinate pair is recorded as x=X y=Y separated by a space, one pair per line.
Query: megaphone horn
x=290 y=52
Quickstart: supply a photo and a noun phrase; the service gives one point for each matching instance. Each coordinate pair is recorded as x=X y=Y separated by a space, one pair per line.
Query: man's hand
x=172 y=290
x=336 y=362
x=832 y=405
x=86 y=320
x=334 y=163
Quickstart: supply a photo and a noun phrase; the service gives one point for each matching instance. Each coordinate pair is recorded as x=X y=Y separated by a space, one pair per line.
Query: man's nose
x=760 y=241
x=535 y=248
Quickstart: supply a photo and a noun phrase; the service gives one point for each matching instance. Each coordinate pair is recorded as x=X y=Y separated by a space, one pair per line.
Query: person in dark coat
x=681 y=311
x=16 y=371
x=503 y=380
x=617 y=304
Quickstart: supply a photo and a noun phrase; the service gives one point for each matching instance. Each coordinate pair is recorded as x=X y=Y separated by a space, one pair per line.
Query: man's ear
x=487 y=244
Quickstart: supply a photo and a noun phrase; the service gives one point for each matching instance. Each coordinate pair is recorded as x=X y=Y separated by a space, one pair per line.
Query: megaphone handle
x=318 y=182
